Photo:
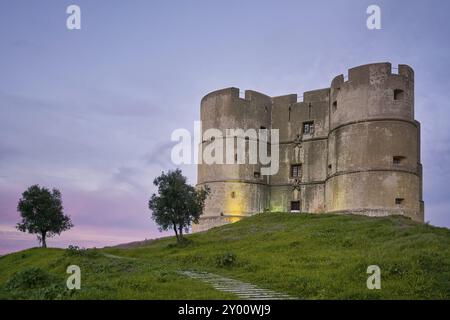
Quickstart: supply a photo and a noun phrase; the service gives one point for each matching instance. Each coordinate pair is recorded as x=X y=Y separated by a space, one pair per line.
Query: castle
x=351 y=148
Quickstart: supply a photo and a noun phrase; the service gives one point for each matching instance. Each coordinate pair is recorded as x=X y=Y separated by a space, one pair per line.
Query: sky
x=90 y=112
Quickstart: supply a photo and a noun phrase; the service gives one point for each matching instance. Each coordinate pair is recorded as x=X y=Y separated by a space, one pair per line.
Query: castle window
x=330 y=166
x=296 y=170
x=397 y=160
x=308 y=127
x=295 y=206
x=334 y=105
x=399 y=201
x=257 y=174
x=233 y=195
x=398 y=94
x=263 y=128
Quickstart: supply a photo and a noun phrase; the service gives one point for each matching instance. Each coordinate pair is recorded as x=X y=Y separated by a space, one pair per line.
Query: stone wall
x=362 y=157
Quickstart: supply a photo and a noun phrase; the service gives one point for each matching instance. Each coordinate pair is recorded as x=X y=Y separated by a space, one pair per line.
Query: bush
x=181 y=244
x=226 y=260
x=30 y=278
x=37 y=284
x=81 y=252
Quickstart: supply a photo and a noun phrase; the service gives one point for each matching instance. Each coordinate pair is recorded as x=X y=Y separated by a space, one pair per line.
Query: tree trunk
x=43 y=240
x=176 y=232
x=180 y=231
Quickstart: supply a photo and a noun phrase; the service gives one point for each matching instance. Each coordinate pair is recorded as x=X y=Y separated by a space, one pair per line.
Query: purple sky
x=90 y=112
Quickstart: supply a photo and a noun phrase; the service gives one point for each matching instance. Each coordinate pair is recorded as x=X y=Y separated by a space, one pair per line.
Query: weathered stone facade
x=351 y=148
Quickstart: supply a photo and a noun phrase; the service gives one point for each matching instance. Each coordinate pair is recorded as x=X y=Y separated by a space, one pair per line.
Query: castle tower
x=374 y=144
x=351 y=148
x=237 y=190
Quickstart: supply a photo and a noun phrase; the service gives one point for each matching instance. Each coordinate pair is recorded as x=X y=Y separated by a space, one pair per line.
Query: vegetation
x=177 y=204
x=306 y=256
x=42 y=213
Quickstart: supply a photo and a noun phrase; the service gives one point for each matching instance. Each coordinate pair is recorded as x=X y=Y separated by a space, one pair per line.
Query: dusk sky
x=91 y=111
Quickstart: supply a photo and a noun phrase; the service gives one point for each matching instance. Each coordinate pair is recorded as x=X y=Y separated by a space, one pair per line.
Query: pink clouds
x=101 y=218
x=82 y=236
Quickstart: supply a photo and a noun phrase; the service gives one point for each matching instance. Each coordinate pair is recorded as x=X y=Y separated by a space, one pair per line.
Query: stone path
x=242 y=289
x=112 y=256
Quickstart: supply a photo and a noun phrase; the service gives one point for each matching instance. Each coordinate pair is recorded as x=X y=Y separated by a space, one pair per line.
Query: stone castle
x=351 y=148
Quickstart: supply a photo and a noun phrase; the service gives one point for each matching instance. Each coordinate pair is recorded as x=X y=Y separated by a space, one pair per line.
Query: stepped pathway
x=242 y=289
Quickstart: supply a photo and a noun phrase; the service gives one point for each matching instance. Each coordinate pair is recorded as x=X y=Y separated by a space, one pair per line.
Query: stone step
x=241 y=289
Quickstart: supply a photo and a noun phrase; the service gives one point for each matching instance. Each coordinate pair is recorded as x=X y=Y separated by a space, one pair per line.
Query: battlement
x=285 y=100
x=372 y=73
x=234 y=93
x=316 y=95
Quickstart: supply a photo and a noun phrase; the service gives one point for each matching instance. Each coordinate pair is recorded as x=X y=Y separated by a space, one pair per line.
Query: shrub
x=37 y=284
x=30 y=278
x=81 y=252
x=226 y=260
x=183 y=243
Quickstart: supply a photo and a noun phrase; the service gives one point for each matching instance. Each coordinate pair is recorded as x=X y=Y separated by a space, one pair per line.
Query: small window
x=295 y=206
x=397 y=160
x=296 y=170
x=330 y=166
x=399 y=201
x=213 y=138
x=257 y=174
x=235 y=158
x=398 y=94
x=233 y=195
x=263 y=128
x=334 y=105
x=308 y=127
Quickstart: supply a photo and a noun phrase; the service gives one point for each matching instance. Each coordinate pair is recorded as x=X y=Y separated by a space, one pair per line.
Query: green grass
x=306 y=256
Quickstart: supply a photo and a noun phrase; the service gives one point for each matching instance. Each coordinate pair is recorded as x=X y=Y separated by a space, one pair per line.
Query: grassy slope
x=308 y=256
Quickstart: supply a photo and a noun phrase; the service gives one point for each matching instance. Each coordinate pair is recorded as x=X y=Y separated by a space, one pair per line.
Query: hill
x=304 y=256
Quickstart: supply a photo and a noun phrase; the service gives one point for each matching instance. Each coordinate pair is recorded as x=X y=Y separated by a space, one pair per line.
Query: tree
x=177 y=204
x=42 y=213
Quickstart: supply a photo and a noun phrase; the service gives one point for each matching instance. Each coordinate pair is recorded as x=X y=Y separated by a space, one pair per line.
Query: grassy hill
x=306 y=256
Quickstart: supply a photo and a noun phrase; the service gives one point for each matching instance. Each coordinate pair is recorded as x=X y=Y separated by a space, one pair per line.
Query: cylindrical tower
x=237 y=190
x=374 y=144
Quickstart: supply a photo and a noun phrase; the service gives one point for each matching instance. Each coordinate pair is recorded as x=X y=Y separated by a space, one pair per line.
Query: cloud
x=160 y=155
x=83 y=236
x=128 y=176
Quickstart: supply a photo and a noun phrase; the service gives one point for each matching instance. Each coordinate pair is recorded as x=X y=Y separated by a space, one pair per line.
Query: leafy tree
x=177 y=204
x=42 y=213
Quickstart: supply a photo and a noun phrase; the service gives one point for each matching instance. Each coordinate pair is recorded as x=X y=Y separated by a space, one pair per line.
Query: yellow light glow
x=235 y=206
x=235 y=219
